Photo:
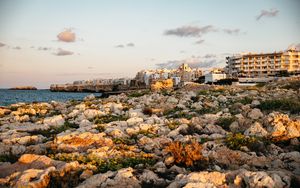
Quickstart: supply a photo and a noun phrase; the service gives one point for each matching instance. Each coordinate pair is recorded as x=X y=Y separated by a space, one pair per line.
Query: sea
x=8 y=97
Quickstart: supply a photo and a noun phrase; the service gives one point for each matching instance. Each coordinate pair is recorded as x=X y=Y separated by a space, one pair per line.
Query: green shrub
x=203 y=92
x=207 y=110
x=225 y=122
x=294 y=85
x=245 y=100
x=236 y=141
x=260 y=84
x=109 y=118
x=178 y=113
x=172 y=111
x=51 y=133
x=100 y=128
x=127 y=141
x=291 y=105
x=108 y=164
x=8 y=158
x=173 y=125
x=138 y=93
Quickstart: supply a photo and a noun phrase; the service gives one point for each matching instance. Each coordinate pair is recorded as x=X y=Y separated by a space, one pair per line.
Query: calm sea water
x=8 y=97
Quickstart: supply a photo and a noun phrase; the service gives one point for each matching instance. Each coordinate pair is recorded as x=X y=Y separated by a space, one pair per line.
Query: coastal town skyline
x=57 y=41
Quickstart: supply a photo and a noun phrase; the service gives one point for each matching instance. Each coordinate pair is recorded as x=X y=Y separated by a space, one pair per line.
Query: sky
x=60 y=41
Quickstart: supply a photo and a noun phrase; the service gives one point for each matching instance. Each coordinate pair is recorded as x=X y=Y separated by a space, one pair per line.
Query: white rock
x=134 y=121
x=89 y=97
x=18 y=149
x=92 y=113
x=255 y=114
x=172 y=100
x=256 y=130
x=255 y=103
x=85 y=123
x=54 y=121
x=222 y=99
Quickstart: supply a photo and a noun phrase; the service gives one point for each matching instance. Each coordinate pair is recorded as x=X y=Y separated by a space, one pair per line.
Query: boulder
x=255 y=114
x=282 y=127
x=134 y=121
x=256 y=130
x=54 y=121
x=92 y=113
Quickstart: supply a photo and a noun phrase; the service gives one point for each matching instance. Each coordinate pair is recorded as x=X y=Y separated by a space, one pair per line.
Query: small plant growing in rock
x=203 y=92
x=138 y=93
x=100 y=128
x=225 y=122
x=173 y=125
x=245 y=100
x=207 y=110
x=186 y=154
x=109 y=118
x=236 y=141
x=127 y=141
x=291 y=105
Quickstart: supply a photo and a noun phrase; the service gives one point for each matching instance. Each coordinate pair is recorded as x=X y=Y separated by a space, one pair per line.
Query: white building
x=215 y=75
x=184 y=73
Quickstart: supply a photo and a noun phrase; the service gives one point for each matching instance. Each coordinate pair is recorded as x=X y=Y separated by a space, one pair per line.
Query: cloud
x=130 y=44
x=295 y=46
x=17 y=48
x=62 y=52
x=267 y=13
x=85 y=74
x=44 y=48
x=90 y=67
x=210 y=56
x=120 y=46
x=204 y=62
x=67 y=36
x=1 y=44
x=190 y=31
x=232 y=31
x=199 y=41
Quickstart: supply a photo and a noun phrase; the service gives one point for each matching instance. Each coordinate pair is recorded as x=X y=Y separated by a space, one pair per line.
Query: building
x=253 y=65
x=184 y=73
x=215 y=75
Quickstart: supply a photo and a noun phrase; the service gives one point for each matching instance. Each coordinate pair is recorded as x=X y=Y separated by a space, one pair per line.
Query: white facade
x=176 y=80
x=214 y=77
x=183 y=74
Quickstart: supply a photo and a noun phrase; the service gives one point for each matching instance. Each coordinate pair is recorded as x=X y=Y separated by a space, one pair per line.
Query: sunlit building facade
x=254 y=65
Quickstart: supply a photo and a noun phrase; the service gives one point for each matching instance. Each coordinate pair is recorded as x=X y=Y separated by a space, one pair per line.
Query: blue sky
x=118 y=38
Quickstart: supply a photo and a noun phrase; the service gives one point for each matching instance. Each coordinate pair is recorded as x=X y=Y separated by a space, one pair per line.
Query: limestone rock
x=282 y=127
x=255 y=114
x=54 y=121
x=256 y=130
x=134 y=121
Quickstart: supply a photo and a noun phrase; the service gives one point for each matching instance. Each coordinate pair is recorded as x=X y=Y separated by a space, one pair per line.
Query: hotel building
x=253 y=65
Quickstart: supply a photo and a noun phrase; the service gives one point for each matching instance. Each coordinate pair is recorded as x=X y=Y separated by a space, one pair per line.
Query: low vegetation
x=291 y=105
x=109 y=118
x=237 y=141
x=225 y=122
x=185 y=154
x=109 y=164
x=138 y=93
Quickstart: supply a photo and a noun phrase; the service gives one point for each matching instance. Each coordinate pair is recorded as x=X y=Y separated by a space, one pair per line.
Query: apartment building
x=254 y=65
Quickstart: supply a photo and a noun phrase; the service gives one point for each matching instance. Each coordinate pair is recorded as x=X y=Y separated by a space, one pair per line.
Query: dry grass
x=186 y=154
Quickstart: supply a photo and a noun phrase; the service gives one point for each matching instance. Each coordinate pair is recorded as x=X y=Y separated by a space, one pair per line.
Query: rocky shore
x=23 y=88
x=198 y=136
